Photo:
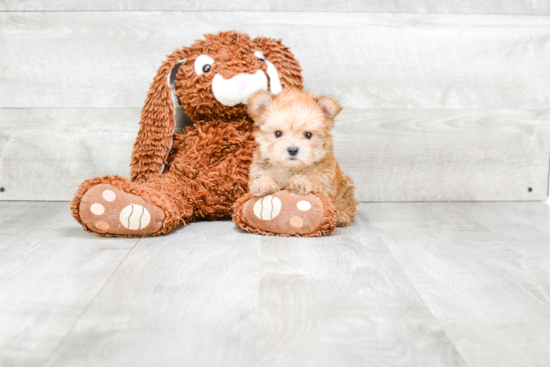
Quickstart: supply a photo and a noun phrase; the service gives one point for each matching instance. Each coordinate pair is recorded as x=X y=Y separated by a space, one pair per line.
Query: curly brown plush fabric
x=233 y=53
x=205 y=169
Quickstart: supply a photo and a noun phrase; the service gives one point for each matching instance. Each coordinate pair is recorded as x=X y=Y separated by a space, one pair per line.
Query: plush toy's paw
x=286 y=214
x=106 y=209
x=263 y=186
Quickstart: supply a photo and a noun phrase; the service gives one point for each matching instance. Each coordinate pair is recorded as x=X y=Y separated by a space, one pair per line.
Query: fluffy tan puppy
x=295 y=149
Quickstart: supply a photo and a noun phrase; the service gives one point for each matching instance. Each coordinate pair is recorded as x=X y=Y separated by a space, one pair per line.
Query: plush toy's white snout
x=238 y=89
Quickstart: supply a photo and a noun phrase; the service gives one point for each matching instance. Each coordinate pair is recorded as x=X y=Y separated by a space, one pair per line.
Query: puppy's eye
x=278 y=134
x=261 y=60
x=308 y=135
x=206 y=68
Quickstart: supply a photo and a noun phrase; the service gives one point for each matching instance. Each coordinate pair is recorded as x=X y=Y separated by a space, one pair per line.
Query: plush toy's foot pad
x=286 y=214
x=108 y=210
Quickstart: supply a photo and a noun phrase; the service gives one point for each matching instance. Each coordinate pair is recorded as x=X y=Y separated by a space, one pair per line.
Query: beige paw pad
x=303 y=205
x=97 y=209
x=267 y=207
x=135 y=217
x=109 y=195
x=296 y=222
x=102 y=225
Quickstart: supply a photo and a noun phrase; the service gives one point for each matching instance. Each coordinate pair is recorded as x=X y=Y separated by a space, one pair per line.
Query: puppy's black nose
x=292 y=151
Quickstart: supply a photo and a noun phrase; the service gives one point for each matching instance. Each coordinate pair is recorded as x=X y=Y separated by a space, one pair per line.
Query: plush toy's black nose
x=292 y=151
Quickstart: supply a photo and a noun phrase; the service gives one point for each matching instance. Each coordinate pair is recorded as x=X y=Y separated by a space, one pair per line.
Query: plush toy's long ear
x=158 y=122
x=288 y=68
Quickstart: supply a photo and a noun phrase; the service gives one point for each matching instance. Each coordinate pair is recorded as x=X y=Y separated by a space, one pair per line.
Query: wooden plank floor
x=408 y=284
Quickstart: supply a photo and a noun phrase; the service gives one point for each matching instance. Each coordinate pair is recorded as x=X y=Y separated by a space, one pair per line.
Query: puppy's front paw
x=343 y=219
x=300 y=186
x=263 y=186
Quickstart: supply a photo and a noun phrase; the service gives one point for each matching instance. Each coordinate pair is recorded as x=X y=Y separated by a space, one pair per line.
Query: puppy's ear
x=257 y=105
x=330 y=107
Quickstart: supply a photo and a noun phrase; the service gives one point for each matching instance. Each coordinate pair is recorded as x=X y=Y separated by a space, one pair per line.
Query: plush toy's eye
x=203 y=64
x=308 y=135
x=278 y=134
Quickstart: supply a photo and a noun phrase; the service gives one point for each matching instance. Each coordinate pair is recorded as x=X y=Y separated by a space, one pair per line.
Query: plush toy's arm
x=155 y=135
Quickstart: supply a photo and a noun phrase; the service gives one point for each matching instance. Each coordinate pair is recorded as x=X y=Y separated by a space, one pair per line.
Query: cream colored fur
x=286 y=121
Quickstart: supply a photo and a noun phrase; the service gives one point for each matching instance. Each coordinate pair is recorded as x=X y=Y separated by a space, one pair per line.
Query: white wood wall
x=534 y=7
x=443 y=100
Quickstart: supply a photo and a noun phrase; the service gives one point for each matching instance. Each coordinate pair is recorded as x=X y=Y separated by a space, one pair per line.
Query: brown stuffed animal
x=177 y=178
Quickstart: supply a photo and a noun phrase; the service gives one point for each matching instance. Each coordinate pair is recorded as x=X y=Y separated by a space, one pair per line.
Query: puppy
x=295 y=149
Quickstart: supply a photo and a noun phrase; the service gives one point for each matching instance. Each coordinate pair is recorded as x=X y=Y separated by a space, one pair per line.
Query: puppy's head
x=293 y=127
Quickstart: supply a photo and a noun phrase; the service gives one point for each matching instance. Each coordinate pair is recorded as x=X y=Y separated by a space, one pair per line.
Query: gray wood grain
x=408 y=284
x=187 y=299
x=399 y=6
x=50 y=270
x=393 y=155
x=483 y=270
x=211 y=295
x=366 y=60
x=342 y=300
x=442 y=155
